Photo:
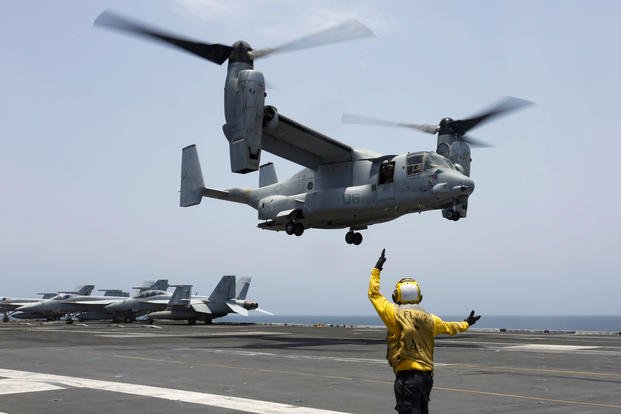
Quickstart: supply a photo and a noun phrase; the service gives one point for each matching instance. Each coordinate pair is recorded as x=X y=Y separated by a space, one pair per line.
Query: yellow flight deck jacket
x=411 y=330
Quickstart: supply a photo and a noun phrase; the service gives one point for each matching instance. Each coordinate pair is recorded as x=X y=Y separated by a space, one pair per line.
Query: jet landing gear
x=352 y=237
x=294 y=227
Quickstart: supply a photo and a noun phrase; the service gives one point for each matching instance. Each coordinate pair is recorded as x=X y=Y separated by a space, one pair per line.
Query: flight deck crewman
x=410 y=339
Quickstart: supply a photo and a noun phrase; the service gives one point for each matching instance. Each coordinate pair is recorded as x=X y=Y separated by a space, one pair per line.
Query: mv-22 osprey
x=340 y=187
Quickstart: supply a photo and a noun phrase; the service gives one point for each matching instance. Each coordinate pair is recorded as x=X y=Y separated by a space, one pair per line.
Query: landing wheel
x=290 y=228
x=5 y=318
x=298 y=229
x=357 y=238
x=456 y=217
x=150 y=321
x=349 y=237
x=191 y=321
x=208 y=321
x=450 y=214
x=69 y=321
x=129 y=319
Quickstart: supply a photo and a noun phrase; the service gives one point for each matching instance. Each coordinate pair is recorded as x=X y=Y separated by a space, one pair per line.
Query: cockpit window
x=437 y=161
x=415 y=163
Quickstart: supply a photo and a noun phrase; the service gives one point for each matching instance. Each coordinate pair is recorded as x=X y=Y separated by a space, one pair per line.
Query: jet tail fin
x=160 y=284
x=84 y=290
x=181 y=296
x=241 y=287
x=224 y=291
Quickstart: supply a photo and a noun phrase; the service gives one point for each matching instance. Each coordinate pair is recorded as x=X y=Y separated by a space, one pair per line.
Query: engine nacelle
x=269 y=207
x=456 y=151
x=245 y=98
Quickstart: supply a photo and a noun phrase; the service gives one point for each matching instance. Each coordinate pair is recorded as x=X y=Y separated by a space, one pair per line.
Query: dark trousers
x=412 y=389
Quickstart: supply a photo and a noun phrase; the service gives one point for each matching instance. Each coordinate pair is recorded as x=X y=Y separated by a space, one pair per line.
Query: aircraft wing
x=101 y=302
x=302 y=145
x=156 y=301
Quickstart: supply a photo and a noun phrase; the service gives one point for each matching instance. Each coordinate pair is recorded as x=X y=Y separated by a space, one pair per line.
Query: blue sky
x=92 y=124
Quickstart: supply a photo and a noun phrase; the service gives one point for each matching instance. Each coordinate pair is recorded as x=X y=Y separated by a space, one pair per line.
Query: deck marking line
x=549 y=347
x=194 y=397
x=18 y=386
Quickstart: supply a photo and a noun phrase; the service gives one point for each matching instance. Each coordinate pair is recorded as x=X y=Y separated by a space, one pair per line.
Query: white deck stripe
x=17 y=386
x=233 y=403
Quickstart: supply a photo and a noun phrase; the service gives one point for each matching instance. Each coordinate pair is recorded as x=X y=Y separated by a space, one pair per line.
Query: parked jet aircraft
x=103 y=307
x=340 y=187
x=51 y=308
x=228 y=296
x=8 y=305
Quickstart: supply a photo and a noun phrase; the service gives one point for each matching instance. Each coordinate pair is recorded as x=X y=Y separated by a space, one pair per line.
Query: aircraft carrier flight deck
x=52 y=367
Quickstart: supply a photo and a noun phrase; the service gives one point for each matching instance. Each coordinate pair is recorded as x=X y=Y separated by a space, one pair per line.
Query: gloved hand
x=381 y=260
x=472 y=319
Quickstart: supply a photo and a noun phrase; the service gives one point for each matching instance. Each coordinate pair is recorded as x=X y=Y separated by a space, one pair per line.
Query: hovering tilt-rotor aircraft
x=340 y=187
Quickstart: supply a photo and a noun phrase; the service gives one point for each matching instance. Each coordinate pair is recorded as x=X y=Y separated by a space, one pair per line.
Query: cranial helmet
x=407 y=290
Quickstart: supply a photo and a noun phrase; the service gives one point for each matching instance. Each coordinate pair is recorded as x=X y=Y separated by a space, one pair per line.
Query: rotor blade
x=349 y=30
x=474 y=142
x=365 y=120
x=506 y=105
x=213 y=52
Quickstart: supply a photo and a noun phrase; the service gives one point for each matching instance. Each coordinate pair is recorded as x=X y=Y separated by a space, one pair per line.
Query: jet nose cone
x=29 y=307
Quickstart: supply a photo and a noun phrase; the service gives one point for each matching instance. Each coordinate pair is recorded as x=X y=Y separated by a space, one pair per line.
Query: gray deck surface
x=319 y=368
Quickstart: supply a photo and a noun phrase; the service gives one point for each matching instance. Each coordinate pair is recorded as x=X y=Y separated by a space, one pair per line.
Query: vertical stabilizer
x=241 y=287
x=191 y=178
x=267 y=175
x=181 y=296
x=84 y=290
x=160 y=284
x=224 y=291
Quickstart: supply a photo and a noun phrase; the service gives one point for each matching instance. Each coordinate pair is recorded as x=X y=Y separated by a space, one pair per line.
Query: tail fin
x=241 y=287
x=224 y=291
x=84 y=290
x=181 y=296
x=160 y=284
x=192 y=184
x=267 y=175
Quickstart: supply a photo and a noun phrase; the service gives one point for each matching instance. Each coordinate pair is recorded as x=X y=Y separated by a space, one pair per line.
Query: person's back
x=410 y=339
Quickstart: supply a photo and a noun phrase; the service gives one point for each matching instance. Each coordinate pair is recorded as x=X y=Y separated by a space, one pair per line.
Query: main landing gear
x=352 y=237
x=452 y=215
x=294 y=227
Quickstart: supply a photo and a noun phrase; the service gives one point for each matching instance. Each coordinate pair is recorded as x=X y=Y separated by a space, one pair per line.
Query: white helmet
x=407 y=290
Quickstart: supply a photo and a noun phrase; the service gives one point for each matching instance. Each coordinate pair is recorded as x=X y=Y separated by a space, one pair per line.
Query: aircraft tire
x=298 y=229
x=349 y=237
x=357 y=239
x=5 y=319
x=290 y=228
x=191 y=321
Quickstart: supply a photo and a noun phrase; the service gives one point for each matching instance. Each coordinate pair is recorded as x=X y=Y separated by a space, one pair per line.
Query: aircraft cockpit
x=148 y=293
x=61 y=296
x=422 y=161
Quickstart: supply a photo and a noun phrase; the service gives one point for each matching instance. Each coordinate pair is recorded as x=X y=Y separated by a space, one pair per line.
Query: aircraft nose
x=454 y=183
x=465 y=185
x=30 y=307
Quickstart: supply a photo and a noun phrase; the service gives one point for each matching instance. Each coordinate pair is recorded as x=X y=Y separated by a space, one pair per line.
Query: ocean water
x=598 y=323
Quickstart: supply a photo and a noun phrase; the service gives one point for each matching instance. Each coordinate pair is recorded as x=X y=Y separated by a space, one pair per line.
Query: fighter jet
x=51 y=308
x=8 y=305
x=228 y=296
x=103 y=307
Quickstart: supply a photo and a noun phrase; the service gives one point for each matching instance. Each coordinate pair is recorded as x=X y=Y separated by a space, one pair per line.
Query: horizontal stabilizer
x=200 y=306
x=237 y=309
x=264 y=311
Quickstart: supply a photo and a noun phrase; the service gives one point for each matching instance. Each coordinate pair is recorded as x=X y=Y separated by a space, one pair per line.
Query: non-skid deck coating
x=105 y=368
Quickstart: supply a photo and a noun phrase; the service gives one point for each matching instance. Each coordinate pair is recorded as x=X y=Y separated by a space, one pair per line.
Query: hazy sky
x=92 y=124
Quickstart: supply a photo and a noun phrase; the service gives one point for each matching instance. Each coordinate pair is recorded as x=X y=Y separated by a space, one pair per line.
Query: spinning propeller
x=456 y=127
x=239 y=51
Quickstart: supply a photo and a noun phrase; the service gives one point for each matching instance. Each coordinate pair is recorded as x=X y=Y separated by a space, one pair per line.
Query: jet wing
x=156 y=301
x=101 y=302
x=302 y=145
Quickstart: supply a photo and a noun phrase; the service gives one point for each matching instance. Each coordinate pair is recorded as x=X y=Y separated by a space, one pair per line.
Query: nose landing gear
x=352 y=237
